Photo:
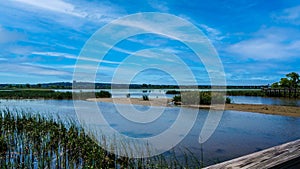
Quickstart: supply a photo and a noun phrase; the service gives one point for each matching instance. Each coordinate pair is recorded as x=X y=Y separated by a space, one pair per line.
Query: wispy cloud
x=9 y=43
x=290 y=15
x=7 y=36
x=162 y=6
x=212 y=33
x=55 y=54
x=149 y=41
x=153 y=53
x=98 y=12
x=172 y=28
x=55 y=6
x=74 y=57
x=26 y=68
x=268 y=43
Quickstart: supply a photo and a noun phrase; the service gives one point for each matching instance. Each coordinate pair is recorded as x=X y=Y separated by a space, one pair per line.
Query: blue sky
x=257 y=41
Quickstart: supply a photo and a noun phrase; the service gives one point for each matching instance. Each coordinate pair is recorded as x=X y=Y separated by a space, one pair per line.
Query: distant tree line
x=86 y=85
x=47 y=94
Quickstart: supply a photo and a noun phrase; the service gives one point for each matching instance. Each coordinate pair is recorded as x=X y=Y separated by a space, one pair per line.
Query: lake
x=265 y=100
x=238 y=133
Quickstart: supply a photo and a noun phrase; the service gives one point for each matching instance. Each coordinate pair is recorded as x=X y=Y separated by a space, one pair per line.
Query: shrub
x=145 y=97
x=228 y=100
x=103 y=94
x=177 y=98
x=172 y=92
x=198 y=98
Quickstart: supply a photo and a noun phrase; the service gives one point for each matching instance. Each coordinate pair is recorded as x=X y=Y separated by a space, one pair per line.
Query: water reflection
x=265 y=100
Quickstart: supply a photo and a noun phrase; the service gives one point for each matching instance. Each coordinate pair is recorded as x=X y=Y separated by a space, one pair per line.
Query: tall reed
x=35 y=141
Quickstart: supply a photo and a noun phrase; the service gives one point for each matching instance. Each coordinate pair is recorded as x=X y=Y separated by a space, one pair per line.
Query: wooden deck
x=282 y=156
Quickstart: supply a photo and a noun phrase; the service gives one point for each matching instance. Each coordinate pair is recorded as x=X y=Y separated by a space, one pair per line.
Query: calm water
x=238 y=133
x=265 y=100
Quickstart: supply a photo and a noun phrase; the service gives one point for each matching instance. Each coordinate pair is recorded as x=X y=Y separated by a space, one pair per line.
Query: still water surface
x=238 y=133
x=265 y=100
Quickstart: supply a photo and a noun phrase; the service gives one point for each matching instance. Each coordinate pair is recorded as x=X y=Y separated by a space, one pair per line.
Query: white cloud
x=26 y=68
x=69 y=56
x=55 y=5
x=159 y=5
x=291 y=15
x=7 y=36
x=149 y=41
x=97 y=12
x=268 y=43
x=212 y=33
x=56 y=54
x=172 y=28
x=152 y=53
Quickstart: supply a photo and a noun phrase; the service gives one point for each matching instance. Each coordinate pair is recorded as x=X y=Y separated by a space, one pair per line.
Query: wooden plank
x=264 y=159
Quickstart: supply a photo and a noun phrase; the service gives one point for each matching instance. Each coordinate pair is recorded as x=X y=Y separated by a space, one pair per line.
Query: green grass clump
x=145 y=97
x=200 y=98
x=103 y=94
x=173 y=92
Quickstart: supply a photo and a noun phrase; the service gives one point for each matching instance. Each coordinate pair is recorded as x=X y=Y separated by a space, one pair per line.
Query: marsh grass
x=246 y=93
x=35 y=141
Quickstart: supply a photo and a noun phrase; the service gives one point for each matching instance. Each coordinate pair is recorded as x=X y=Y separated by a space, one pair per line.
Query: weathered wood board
x=268 y=158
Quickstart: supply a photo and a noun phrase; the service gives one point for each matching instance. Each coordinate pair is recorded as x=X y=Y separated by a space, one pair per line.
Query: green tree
x=294 y=79
x=275 y=85
x=284 y=82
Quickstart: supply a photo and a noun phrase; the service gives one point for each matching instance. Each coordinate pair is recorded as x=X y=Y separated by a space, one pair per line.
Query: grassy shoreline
x=49 y=94
x=34 y=141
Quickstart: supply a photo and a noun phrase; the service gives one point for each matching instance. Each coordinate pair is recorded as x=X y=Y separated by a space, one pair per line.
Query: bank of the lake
x=256 y=108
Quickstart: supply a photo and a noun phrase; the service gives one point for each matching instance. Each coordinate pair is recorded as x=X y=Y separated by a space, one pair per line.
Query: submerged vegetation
x=46 y=94
x=33 y=141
